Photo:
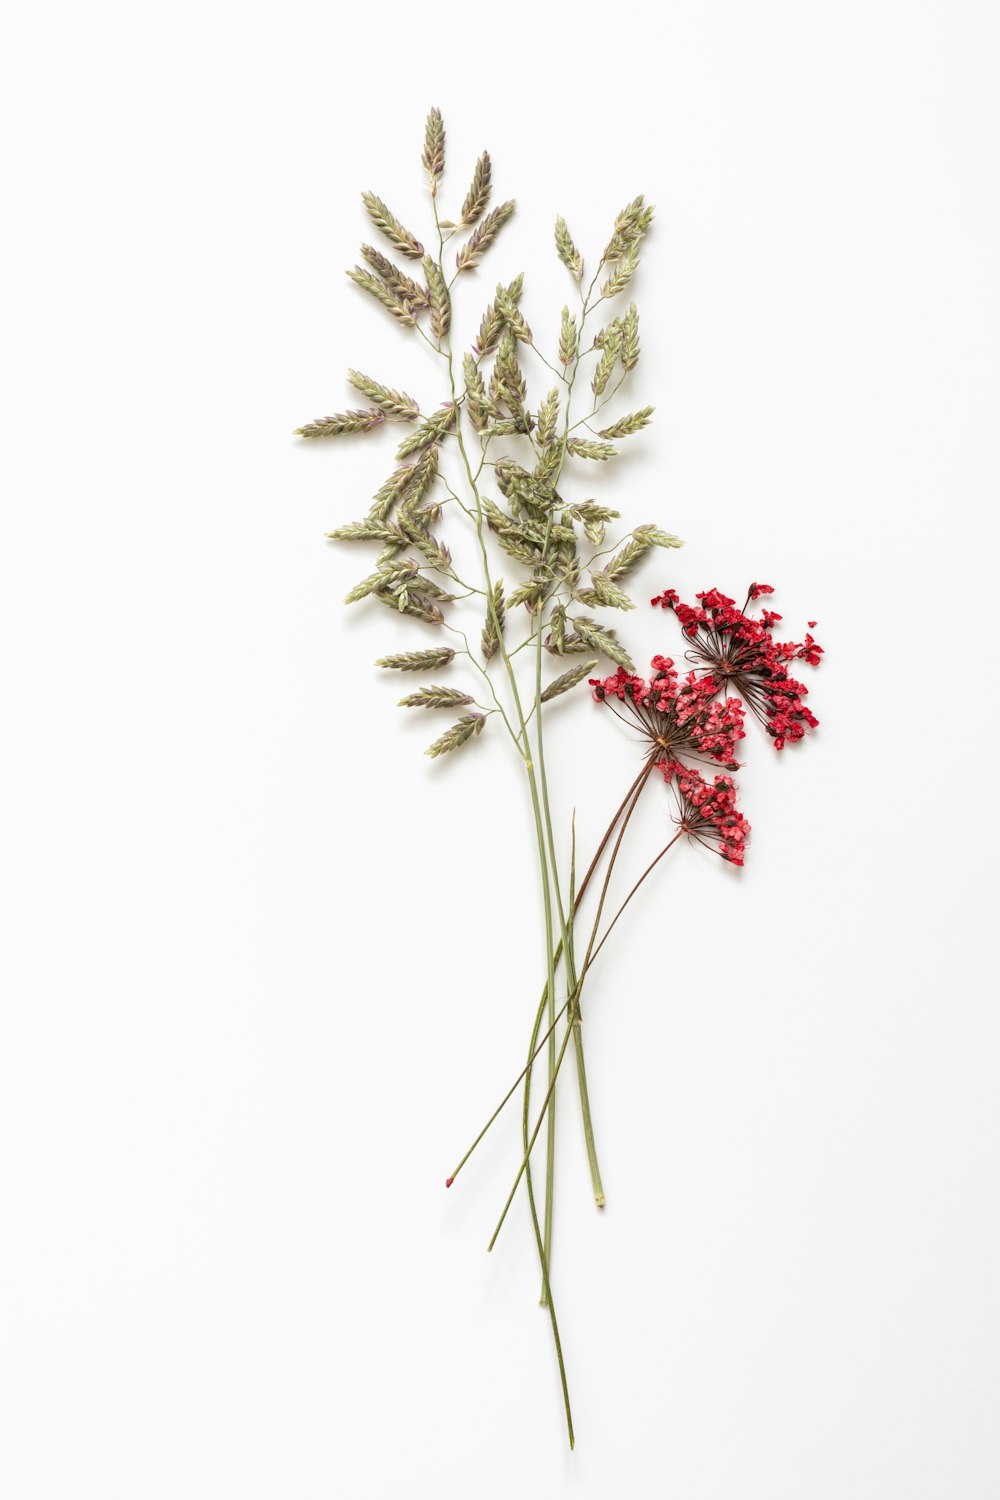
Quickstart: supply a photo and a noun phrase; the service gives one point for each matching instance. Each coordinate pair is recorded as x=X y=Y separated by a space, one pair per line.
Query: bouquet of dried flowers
x=511 y=488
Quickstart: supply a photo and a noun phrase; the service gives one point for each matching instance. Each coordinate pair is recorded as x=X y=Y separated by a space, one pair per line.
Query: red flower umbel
x=708 y=813
x=741 y=653
x=677 y=718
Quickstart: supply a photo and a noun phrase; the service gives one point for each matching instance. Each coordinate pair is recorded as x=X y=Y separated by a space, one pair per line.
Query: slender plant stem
x=513 y=1088
x=574 y=1001
x=533 y=790
x=646 y=872
x=565 y=944
x=571 y=975
x=542 y=1003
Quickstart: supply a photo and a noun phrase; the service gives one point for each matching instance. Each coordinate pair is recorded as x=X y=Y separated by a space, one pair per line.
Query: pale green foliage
x=518 y=443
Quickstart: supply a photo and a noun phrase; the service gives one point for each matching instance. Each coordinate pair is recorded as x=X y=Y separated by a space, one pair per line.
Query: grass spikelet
x=548 y=416
x=458 y=735
x=390 y=572
x=630 y=228
x=490 y=329
x=403 y=602
x=569 y=338
x=509 y=426
x=478 y=195
x=492 y=324
x=512 y=316
x=366 y=531
x=433 y=155
x=583 y=448
x=607 y=362
x=529 y=594
x=418 y=661
x=568 y=680
x=390 y=492
x=594 y=517
x=473 y=251
x=608 y=593
x=626 y=426
x=495 y=620
x=510 y=371
x=623 y=562
x=619 y=240
x=377 y=288
x=657 y=537
x=429 y=433
x=630 y=338
x=604 y=641
x=435 y=697
x=440 y=298
x=610 y=334
x=397 y=234
x=341 y=422
x=393 y=403
x=550 y=460
x=481 y=408
x=424 y=475
x=434 y=552
x=623 y=272
x=518 y=486
x=403 y=288
x=567 y=251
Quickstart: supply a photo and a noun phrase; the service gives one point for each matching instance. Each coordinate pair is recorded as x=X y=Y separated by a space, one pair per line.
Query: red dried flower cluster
x=677 y=718
x=708 y=813
x=696 y=719
x=741 y=653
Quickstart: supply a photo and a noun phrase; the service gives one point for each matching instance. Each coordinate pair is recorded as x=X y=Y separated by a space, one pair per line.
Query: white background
x=266 y=967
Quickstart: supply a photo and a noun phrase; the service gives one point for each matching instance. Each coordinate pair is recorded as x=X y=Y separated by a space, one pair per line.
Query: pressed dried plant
x=513 y=469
